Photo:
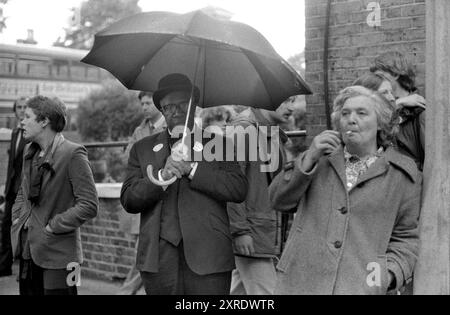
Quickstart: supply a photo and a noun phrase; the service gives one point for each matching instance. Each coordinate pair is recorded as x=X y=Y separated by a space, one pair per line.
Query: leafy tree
x=109 y=114
x=298 y=63
x=92 y=17
x=2 y=18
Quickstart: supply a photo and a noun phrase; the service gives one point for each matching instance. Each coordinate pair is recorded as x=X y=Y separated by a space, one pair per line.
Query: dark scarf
x=45 y=164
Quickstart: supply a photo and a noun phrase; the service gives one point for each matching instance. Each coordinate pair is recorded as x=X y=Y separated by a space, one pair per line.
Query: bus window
x=22 y=67
x=33 y=68
x=6 y=66
x=38 y=69
x=60 y=69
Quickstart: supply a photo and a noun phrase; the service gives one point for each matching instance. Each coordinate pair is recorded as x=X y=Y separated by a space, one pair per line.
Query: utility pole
x=432 y=274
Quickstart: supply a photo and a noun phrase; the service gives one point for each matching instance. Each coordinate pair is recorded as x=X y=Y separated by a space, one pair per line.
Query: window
x=6 y=66
x=33 y=68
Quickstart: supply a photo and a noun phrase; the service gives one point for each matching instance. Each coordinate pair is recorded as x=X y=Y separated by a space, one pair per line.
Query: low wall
x=109 y=253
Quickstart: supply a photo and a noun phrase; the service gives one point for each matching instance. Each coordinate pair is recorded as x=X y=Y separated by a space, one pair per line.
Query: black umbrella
x=234 y=62
x=230 y=62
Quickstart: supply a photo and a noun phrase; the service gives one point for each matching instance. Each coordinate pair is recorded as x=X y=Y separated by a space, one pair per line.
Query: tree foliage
x=109 y=114
x=93 y=16
x=298 y=63
x=2 y=18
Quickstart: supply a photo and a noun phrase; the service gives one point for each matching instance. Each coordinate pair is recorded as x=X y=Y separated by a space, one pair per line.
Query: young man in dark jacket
x=56 y=196
x=13 y=179
x=255 y=226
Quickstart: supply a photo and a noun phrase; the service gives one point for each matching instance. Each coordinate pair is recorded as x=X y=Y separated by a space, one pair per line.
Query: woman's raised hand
x=324 y=143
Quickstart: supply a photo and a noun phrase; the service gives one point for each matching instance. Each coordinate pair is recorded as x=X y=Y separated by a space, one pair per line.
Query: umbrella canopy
x=230 y=62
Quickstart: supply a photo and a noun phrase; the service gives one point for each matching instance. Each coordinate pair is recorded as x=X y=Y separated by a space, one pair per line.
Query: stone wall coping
x=108 y=190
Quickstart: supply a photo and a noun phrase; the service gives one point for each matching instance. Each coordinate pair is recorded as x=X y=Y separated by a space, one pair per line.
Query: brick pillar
x=432 y=274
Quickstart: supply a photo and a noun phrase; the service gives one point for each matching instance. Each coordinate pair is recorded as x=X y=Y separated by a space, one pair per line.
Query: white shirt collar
x=160 y=122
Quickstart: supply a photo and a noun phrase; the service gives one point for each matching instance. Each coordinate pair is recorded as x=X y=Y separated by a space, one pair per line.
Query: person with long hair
x=398 y=70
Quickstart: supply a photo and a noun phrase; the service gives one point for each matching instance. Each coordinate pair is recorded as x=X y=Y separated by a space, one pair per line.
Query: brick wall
x=353 y=44
x=108 y=252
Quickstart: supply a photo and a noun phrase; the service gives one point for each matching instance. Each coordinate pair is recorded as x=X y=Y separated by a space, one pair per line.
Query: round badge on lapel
x=158 y=147
x=198 y=147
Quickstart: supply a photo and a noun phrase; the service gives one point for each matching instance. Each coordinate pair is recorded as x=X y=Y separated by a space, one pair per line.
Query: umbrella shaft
x=200 y=56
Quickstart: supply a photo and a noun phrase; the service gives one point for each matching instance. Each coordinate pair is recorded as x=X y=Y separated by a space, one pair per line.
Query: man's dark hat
x=171 y=83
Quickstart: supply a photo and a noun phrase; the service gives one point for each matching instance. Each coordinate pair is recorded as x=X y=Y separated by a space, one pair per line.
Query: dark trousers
x=176 y=278
x=6 y=259
x=33 y=281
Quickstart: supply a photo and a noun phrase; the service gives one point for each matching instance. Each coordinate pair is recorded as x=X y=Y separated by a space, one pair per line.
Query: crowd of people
x=339 y=218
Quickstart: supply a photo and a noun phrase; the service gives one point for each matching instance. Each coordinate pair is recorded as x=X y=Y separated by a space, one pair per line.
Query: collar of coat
x=390 y=157
x=160 y=123
x=34 y=147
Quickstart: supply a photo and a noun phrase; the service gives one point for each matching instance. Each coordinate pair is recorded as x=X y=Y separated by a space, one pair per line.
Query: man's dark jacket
x=255 y=216
x=67 y=199
x=13 y=177
x=201 y=205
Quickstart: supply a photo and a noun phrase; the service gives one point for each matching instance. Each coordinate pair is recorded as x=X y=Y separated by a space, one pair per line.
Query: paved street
x=10 y=286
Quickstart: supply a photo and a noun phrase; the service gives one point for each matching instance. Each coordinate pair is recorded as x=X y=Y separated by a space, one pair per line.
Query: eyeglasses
x=171 y=108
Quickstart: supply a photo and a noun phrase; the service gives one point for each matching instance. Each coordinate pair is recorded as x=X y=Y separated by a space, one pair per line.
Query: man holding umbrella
x=184 y=226
x=185 y=243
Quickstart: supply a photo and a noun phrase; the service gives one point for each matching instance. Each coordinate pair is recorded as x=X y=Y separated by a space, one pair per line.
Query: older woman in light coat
x=358 y=201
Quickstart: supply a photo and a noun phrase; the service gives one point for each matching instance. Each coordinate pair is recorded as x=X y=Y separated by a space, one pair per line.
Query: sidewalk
x=10 y=286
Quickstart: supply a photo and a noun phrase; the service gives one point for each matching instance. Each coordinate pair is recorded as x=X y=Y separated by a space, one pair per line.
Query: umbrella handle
x=156 y=181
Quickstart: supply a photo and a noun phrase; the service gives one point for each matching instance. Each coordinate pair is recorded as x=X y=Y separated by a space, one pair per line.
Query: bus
x=28 y=70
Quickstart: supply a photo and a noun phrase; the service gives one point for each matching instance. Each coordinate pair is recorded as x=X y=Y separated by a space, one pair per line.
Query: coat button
x=337 y=244
x=343 y=210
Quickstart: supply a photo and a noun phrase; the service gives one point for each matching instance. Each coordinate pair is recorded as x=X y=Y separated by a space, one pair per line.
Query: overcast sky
x=282 y=22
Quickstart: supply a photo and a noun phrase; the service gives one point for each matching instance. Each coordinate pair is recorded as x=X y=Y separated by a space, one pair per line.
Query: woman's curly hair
x=218 y=113
x=385 y=111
